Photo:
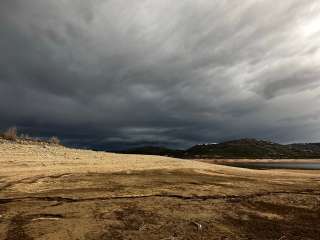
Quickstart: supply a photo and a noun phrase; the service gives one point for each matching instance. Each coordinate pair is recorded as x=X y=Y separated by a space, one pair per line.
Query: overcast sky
x=169 y=72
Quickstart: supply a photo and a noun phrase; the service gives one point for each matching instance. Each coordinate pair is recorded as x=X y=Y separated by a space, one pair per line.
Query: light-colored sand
x=18 y=161
x=31 y=159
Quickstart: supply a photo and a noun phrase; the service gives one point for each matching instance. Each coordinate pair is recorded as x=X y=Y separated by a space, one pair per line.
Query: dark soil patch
x=17 y=225
x=134 y=218
x=133 y=221
x=296 y=224
x=16 y=229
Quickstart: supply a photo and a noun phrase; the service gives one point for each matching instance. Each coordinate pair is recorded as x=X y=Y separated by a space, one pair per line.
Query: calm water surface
x=287 y=165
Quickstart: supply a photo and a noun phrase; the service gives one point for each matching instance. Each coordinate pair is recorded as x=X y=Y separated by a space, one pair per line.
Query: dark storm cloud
x=161 y=72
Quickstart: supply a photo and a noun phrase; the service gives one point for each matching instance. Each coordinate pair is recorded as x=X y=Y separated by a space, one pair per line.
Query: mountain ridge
x=241 y=148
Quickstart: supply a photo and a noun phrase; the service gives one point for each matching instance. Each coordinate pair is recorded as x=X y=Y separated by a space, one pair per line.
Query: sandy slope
x=19 y=161
x=22 y=160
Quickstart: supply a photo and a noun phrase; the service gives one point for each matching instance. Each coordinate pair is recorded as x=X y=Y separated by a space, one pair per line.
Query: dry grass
x=10 y=134
x=54 y=140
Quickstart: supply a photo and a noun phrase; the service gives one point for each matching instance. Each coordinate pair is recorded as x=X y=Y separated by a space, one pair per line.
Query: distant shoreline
x=221 y=161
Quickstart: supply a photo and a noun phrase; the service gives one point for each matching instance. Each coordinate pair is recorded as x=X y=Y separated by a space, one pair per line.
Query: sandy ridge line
x=232 y=198
x=50 y=160
x=32 y=179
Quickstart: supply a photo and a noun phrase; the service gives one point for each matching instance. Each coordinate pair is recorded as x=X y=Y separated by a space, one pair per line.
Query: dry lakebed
x=51 y=192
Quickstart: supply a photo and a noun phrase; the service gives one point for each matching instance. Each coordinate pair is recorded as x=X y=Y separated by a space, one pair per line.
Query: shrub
x=54 y=140
x=10 y=134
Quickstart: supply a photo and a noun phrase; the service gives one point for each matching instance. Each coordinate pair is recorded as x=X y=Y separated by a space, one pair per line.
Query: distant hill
x=151 y=150
x=243 y=148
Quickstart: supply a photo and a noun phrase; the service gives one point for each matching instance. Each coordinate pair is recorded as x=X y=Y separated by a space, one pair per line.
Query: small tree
x=54 y=140
x=11 y=134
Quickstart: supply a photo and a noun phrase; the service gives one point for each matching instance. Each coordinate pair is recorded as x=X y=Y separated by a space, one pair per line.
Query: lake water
x=286 y=165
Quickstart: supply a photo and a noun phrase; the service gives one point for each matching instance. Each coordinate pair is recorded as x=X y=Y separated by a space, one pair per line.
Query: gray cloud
x=166 y=72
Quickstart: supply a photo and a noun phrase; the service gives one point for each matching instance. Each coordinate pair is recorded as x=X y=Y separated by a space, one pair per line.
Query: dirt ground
x=52 y=192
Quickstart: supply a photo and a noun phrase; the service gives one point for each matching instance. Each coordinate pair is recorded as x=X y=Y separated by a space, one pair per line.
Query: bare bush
x=11 y=134
x=54 y=140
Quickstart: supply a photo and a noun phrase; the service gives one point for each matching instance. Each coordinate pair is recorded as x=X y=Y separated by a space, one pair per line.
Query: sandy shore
x=222 y=161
